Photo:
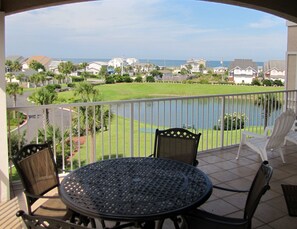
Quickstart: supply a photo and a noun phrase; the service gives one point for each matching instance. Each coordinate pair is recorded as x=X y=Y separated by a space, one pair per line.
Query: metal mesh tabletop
x=135 y=188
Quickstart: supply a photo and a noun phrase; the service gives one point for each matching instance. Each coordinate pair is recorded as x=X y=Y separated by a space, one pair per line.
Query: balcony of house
x=83 y=133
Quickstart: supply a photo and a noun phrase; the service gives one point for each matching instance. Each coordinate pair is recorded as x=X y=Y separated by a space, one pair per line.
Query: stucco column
x=291 y=57
x=4 y=176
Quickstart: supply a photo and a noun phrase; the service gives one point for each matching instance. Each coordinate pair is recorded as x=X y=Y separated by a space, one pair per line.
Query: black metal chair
x=177 y=144
x=202 y=219
x=37 y=169
x=41 y=222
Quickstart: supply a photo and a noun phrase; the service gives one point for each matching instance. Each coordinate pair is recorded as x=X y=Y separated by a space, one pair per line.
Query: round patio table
x=135 y=189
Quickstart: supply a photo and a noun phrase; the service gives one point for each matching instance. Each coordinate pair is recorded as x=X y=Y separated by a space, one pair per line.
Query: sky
x=147 y=29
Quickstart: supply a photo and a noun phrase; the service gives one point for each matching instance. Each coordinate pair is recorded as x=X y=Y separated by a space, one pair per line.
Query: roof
x=243 y=64
x=20 y=59
x=279 y=65
x=44 y=60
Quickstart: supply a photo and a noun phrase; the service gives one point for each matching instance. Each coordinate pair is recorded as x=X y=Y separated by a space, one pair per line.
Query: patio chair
x=177 y=144
x=263 y=143
x=41 y=222
x=39 y=175
x=292 y=135
x=202 y=219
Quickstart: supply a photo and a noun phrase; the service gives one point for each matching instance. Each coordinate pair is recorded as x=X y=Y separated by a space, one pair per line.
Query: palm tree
x=14 y=89
x=35 y=79
x=44 y=96
x=9 y=76
x=269 y=103
x=16 y=66
x=87 y=93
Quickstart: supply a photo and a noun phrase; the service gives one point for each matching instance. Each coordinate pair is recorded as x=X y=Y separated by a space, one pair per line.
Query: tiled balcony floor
x=224 y=170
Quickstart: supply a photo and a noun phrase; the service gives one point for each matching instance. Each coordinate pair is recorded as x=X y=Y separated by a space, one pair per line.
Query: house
x=19 y=59
x=197 y=65
x=243 y=71
x=44 y=60
x=95 y=67
x=275 y=70
x=117 y=62
x=53 y=66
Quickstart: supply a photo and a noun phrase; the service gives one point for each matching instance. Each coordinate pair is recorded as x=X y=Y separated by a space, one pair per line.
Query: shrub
x=278 y=83
x=138 y=79
x=127 y=79
x=256 y=82
x=267 y=82
x=150 y=79
x=233 y=121
x=77 y=79
x=109 y=80
x=71 y=85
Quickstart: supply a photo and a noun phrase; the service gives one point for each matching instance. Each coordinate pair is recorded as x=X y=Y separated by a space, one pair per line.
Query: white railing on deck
x=128 y=130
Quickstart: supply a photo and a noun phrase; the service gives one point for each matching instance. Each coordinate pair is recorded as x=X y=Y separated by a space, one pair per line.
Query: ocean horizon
x=158 y=62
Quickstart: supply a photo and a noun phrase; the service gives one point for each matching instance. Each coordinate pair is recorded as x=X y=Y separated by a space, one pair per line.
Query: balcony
x=83 y=133
x=223 y=169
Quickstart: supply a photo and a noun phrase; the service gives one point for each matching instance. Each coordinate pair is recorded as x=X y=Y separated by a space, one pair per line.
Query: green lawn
x=126 y=91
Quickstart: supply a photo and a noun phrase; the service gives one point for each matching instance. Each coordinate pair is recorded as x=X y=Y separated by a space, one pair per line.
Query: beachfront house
x=95 y=67
x=243 y=71
x=275 y=70
x=197 y=65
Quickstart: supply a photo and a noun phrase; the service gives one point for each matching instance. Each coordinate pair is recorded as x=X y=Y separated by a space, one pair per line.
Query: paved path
x=35 y=116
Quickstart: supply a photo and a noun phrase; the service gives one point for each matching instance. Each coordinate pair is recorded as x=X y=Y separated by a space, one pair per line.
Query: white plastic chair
x=292 y=135
x=262 y=143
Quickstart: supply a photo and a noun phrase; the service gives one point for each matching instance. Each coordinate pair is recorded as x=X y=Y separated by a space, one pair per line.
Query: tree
x=269 y=103
x=37 y=66
x=35 y=79
x=22 y=77
x=9 y=76
x=150 y=79
x=14 y=89
x=8 y=64
x=103 y=71
x=156 y=73
x=59 y=77
x=44 y=96
x=88 y=93
x=16 y=66
x=138 y=79
x=256 y=82
x=66 y=68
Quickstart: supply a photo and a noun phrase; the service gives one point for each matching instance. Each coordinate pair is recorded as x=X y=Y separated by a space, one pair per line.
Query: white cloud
x=267 y=22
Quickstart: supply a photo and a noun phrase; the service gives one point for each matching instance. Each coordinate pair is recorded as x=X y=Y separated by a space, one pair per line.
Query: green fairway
x=126 y=91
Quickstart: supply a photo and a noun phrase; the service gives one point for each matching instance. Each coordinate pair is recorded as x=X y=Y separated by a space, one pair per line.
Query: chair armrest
x=247 y=133
x=39 y=196
x=229 y=189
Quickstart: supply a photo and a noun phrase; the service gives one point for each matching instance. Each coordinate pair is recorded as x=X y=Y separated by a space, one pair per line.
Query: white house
x=95 y=67
x=117 y=62
x=195 y=64
x=275 y=70
x=243 y=71
x=53 y=66
x=131 y=61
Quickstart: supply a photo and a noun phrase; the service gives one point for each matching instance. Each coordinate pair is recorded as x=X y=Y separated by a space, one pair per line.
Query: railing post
x=222 y=121
x=132 y=130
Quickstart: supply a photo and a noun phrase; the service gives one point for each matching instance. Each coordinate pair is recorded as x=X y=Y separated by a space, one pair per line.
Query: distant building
x=275 y=70
x=44 y=60
x=95 y=67
x=243 y=71
x=53 y=66
x=196 y=65
x=220 y=70
x=117 y=62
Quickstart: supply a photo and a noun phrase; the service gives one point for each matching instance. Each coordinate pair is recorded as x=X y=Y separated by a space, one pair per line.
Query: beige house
x=275 y=70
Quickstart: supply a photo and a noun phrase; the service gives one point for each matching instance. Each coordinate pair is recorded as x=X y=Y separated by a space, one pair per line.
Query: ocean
x=158 y=62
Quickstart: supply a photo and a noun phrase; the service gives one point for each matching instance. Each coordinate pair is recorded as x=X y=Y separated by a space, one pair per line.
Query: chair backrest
x=41 y=222
x=258 y=188
x=37 y=169
x=177 y=144
x=282 y=125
